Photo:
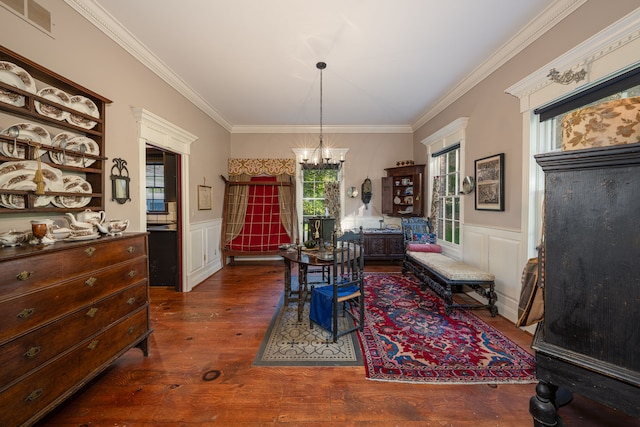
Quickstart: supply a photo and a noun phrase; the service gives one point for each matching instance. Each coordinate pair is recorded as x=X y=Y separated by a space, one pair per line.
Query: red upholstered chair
x=346 y=287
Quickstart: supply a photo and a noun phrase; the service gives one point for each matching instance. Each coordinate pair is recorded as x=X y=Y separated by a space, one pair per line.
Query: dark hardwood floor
x=219 y=327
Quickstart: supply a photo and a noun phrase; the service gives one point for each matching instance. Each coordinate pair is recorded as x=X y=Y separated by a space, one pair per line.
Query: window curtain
x=287 y=205
x=241 y=170
x=237 y=198
x=435 y=204
x=332 y=202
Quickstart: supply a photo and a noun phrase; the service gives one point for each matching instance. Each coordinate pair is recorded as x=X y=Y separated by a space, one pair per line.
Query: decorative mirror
x=120 y=181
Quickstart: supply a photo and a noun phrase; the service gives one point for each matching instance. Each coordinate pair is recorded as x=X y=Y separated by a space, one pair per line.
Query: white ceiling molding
x=325 y=129
x=540 y=25
x=95 y=14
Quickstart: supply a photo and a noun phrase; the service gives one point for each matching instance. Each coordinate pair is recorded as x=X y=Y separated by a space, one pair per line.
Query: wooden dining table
x=304 y=260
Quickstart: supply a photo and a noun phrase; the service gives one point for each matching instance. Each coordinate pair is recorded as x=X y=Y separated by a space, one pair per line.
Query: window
x=550 y=128
x=313 y=183
x=446 y=165
x=626 y=85
x=155 y=186
x=446 y=169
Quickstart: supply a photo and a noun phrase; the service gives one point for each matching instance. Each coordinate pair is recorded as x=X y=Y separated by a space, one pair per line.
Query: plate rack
x=26 y=112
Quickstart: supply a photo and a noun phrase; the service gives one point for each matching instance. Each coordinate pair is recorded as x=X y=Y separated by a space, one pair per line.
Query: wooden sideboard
x=588 y=342
x=383 y=245
x=67 y=311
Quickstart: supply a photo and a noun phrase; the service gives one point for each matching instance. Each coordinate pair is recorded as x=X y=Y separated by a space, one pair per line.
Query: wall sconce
x=468 y=185
x=352 y=192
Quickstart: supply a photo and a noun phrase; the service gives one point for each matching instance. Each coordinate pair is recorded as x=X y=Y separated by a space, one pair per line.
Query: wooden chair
x=346 y=287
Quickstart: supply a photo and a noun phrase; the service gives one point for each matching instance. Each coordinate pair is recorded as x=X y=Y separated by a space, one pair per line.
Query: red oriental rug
x=408 y=337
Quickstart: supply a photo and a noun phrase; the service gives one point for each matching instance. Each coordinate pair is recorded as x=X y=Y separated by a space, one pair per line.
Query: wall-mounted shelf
x=19 y=106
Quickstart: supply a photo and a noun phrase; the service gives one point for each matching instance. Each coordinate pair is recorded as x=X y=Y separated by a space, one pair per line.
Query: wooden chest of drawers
x=66 y=312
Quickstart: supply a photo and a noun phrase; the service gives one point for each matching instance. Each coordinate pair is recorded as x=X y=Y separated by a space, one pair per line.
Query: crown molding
x=325 y=129
x=105 y=22
x=553 y=14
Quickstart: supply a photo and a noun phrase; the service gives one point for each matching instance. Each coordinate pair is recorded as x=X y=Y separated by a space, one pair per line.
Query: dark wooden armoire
x=589 y=341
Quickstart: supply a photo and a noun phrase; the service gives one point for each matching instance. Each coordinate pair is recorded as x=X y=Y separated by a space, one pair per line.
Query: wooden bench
x=445 y=275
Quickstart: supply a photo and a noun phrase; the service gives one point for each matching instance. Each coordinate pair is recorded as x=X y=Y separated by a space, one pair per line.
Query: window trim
x=440 y=142
x=340 y=153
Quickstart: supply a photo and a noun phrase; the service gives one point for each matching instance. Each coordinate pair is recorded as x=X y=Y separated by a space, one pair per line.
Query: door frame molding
x=161 y=133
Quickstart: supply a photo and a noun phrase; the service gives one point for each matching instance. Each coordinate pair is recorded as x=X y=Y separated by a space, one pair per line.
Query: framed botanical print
x=490 y=183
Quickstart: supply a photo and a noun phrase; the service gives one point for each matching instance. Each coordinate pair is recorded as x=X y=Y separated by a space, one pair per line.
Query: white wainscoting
x=203 y=247
x=499 y=252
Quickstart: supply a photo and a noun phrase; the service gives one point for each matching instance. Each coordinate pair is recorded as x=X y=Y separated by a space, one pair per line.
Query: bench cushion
x=449 y=268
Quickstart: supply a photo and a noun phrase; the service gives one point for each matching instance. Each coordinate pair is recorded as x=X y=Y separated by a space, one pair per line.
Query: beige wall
x=86 y=56
x=368 y=156
x=495 y=122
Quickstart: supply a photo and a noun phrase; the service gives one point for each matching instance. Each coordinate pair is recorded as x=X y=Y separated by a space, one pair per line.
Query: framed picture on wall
x=490 y=183
x=204 y=197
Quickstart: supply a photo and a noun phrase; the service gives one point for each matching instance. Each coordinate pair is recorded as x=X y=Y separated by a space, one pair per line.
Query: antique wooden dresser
x=67 y=311
x=589 y=340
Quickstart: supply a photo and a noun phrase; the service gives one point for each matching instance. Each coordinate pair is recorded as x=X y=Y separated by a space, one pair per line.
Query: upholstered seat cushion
x=450 y=268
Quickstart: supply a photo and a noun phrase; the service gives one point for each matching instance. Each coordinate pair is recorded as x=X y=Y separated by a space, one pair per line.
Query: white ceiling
x=250 y=64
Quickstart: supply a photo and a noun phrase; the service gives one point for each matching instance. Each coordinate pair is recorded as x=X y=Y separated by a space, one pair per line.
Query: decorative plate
x=20 y=175
x=11 y=98
x=28 y=132
x=74 y=184
x=57 y=96
x=15 y=76
x=60 y=141
x=86 y=106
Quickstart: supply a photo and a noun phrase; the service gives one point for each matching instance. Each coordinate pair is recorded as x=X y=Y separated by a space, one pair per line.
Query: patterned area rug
x=409 y=338
x=289 y=343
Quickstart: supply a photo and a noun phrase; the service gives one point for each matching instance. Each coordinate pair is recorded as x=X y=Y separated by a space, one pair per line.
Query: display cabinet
x=589 y=338
x=402 y=191
x=46 y=117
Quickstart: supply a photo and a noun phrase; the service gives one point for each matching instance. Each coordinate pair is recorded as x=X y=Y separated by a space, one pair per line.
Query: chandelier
x=321 y=156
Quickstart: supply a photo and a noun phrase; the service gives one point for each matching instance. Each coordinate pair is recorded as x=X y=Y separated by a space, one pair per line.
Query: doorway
x=163 y=202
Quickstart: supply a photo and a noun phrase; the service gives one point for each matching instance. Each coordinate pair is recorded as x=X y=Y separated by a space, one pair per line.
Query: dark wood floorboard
x=220 y=325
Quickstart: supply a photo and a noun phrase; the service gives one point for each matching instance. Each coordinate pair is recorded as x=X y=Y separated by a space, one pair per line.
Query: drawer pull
x=131 y=329
x=131 y=300
x=34 y=395
x=132 y=274
x=91 y=281
x=27 y=312
x=32 y=352
x=24 y=275
x=92 y=312
x=90 y=250
x=93 y=344
x=131 y=249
